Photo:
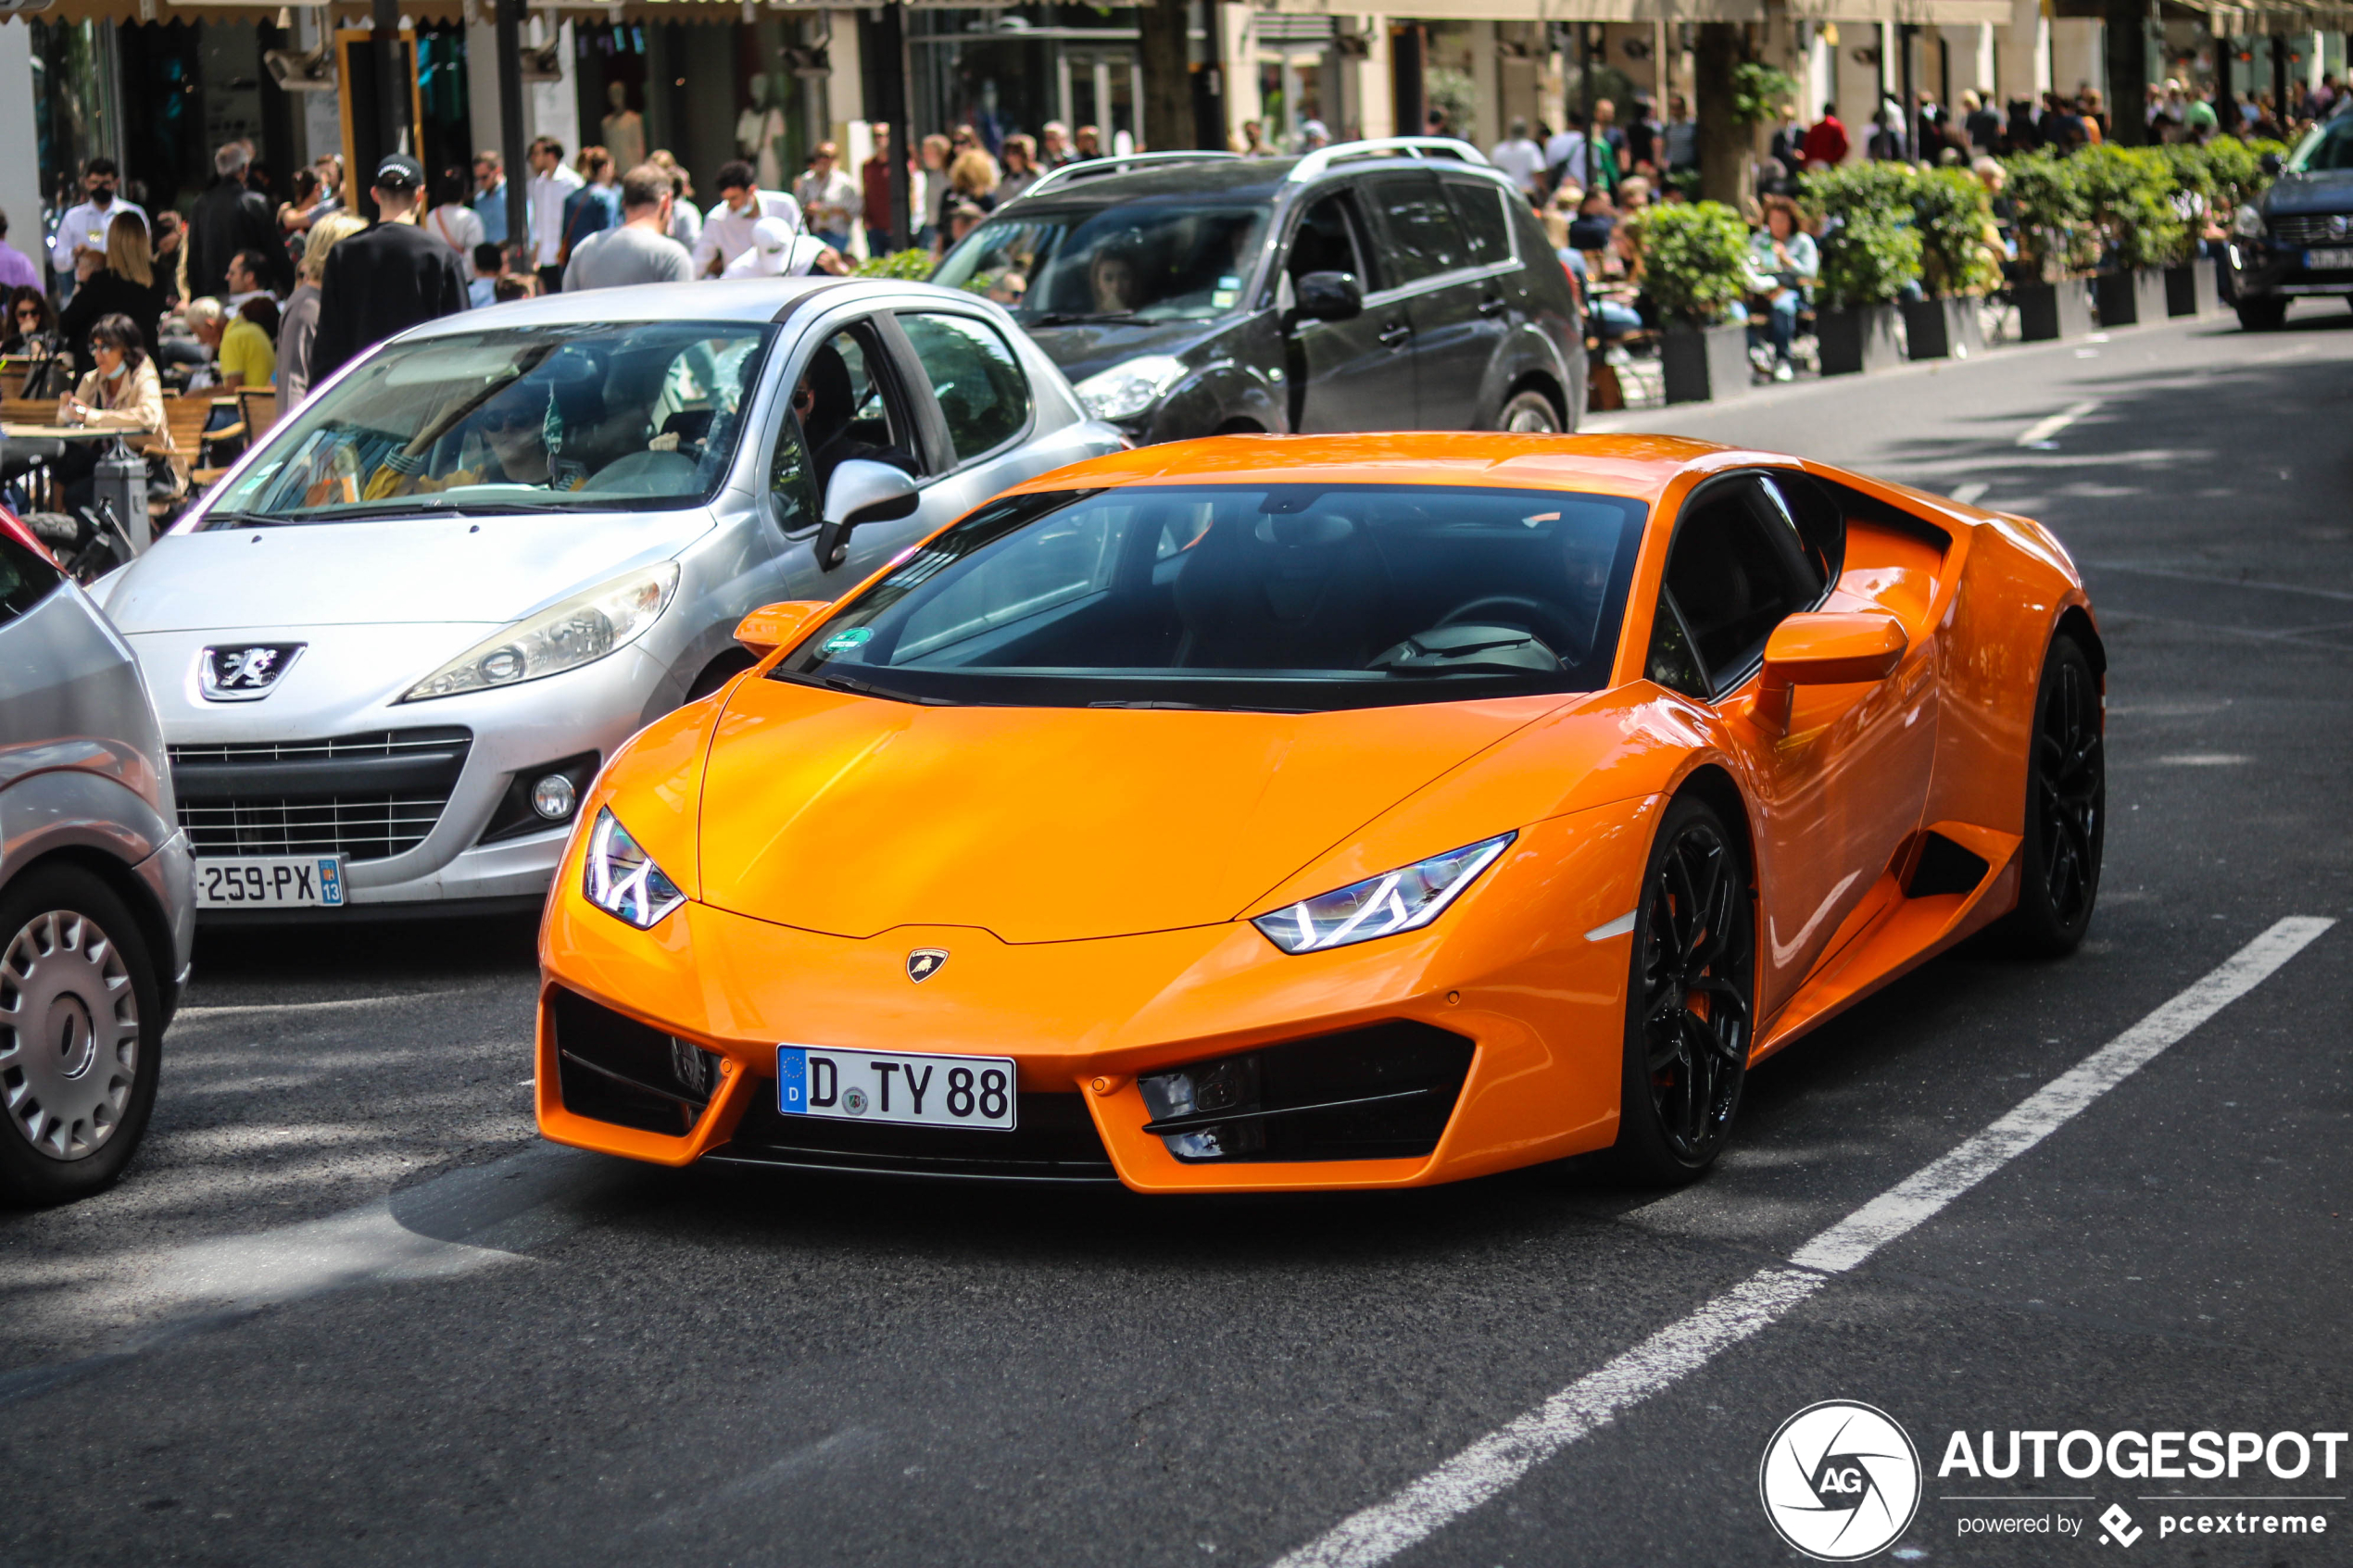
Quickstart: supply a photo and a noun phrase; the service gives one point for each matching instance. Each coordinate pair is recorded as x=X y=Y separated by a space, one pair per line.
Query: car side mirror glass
x=775 y=626
x=1330 y=296
x=861 y=491
x=2272 y=166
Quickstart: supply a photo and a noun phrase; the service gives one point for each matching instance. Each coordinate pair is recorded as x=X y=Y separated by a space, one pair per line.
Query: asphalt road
x=347 y=1310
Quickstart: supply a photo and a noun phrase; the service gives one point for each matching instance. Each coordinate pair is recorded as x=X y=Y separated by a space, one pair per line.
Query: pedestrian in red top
x=1826 y=142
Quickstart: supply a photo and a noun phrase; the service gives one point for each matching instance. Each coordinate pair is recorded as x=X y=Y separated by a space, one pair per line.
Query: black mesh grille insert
x=1056 y=1141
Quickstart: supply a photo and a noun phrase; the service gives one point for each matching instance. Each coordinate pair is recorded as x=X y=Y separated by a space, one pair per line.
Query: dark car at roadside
x=1370 y=285
x=2295 y=240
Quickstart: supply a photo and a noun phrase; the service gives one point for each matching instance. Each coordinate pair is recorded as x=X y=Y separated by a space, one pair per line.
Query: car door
x=1500 y=296
x=1345 y=375
x=1443 y=293
x=962 y=367
x=848 y=394
x=1839 y=784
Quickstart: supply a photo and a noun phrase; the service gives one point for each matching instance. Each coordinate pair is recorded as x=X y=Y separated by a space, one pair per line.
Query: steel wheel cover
x=69 y=1035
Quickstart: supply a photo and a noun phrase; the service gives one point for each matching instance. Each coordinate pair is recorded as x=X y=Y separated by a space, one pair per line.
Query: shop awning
x=2240 y=17
x=1542 y=10
x=1920 y=13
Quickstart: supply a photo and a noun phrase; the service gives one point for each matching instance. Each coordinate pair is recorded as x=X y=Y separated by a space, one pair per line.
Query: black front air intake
x=611 y=1068
x=1383 y=1092
x=1056 y=1142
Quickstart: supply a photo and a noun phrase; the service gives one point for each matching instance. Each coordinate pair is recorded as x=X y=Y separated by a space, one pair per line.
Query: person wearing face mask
x=83 y=228
x=122 y=393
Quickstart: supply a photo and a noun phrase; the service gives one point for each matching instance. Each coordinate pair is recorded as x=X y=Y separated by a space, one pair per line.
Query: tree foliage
x=912 y=265
x=1760 y=93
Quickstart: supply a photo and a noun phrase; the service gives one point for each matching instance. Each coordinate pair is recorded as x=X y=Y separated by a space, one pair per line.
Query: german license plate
x=911 y=1090
x=270 y=882
x=2329 y=260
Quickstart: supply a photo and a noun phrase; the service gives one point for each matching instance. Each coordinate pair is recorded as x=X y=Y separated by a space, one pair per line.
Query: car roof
x=1641 y=466
x=716 y=299
x=1257 y=179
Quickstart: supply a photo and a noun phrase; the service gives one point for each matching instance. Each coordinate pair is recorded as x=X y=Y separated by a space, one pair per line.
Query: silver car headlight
x=1381 y=906
x=2247 y=224
x=622 y=879
x=1127 y=390
x=580 y=631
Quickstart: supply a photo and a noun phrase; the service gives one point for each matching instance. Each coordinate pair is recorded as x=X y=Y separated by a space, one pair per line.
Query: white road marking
x=1618 y=927
x=1494 y=1463
x=228 y=1010
x=2219 y=582
x=2043 y=429
x=1967 y=495
x=2202 y=760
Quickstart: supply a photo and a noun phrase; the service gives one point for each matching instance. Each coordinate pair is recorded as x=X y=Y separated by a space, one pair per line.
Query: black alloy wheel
x=1691 y=1000
x=2066 y=808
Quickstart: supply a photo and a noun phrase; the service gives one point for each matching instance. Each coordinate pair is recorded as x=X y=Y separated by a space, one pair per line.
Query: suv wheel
x=2262 y=315
x=1530 y=413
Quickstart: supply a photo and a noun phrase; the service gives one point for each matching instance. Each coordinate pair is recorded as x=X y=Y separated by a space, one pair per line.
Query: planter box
x=2047 y=311
x=1943 y=329
x=2130 y=299
x=1704 y=364
x=2192 y=289
x=1855 y=341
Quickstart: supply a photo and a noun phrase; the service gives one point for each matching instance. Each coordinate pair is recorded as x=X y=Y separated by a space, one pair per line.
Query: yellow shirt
x=245 y=352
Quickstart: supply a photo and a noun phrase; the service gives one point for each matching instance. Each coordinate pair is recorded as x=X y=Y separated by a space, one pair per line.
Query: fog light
x=554 y=797
x=695 y=1069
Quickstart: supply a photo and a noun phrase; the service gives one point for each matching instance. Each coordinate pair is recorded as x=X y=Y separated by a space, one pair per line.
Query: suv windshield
x=2325 y=148
x=1294 y=598
x=1139 y=262
x=634 y=416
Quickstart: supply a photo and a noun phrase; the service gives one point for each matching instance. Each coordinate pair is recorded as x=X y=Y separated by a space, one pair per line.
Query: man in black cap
x=387 y=279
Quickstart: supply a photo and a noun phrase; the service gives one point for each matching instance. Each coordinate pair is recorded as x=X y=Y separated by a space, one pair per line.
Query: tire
x=80 y=1037
x=1689 y=999
x=1528 y=413
x=2066 y=809
x=2262 y=315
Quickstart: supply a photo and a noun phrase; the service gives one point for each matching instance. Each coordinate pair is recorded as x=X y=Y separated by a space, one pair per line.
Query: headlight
x=622 y=879
x=1381 y=906
x=1125 y=390
x=2247 y=224
x=580 y=631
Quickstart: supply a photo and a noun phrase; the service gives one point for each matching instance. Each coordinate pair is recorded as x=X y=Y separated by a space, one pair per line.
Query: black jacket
x=229 y=218
x=109 y=294
x=378 y=283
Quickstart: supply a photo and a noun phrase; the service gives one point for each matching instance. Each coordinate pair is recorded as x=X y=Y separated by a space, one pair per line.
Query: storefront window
x=76 y=115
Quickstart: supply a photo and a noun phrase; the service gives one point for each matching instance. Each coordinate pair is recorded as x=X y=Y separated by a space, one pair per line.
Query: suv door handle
x=1494 y=304
x=1394 y=335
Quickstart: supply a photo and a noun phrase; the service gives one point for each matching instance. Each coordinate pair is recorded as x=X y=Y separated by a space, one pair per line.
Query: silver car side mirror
x=861 y=491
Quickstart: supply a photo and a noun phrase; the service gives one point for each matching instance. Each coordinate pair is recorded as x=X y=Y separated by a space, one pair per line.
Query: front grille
x=2307 y=228
x=367 y=796
x=1056 y=1142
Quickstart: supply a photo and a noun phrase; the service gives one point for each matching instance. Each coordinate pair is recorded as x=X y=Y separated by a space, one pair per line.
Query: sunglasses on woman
x=28 y=315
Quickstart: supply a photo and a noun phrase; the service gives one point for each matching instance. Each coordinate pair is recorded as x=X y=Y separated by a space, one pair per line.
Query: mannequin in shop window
x=625 y=129
x=758 y=131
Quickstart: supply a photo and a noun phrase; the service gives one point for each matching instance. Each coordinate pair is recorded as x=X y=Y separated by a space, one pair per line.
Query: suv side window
x=1479 y=205
x=1735 y=573
x=983 y=394
x=1328 y=240
x=841 y=406
x=1424 y=236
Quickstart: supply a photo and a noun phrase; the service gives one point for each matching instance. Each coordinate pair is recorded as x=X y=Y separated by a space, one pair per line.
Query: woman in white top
x=452 y=220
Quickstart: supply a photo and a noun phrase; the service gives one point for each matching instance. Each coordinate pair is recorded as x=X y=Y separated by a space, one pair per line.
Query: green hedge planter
x=2192 y=289
x=1941 y=328
x=1704 y=364
x=2130 y=297
x=2048 y=312
x=1858 y=339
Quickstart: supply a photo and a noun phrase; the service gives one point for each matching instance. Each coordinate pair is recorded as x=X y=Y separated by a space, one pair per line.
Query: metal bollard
x=121 y=478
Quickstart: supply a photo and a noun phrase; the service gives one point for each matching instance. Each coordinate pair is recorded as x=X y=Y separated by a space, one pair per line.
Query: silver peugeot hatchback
x=96 y=911
x=394 y=643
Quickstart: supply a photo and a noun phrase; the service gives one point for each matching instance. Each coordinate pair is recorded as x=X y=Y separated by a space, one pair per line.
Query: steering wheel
x=1532 y=615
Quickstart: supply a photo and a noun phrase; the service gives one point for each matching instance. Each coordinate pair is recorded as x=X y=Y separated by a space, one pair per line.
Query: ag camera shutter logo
x=1840 y=1481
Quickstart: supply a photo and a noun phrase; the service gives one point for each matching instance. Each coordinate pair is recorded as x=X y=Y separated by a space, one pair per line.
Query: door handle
x=1394 y=335
x=1494 y=305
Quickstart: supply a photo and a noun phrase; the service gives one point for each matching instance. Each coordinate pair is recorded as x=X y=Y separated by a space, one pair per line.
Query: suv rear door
x=1452 y=299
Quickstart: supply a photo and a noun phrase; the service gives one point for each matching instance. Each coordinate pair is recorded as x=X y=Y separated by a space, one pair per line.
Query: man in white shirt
x=84 y=224
x=829 y=198
x=552 y=181
x=1522 y=159
x=726 y=229
x=1564 y=156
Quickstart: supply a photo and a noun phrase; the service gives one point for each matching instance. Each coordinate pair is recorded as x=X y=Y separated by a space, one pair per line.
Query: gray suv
x=1399 y=284
x=97 y=909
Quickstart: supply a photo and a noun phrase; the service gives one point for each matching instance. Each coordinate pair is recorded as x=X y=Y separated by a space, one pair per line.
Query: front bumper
x=1542 y=1007
x=2262 y=271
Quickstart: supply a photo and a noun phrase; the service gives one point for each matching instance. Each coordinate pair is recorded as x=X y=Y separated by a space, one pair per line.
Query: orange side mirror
x=775 y=626
x=1833 y=649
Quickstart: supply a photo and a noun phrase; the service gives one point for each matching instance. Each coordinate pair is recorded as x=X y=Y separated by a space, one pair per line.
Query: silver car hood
x=386 y=572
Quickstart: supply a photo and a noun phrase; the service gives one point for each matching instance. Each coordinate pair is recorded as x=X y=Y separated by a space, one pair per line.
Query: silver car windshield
x=600 y=416
x=1145 y=262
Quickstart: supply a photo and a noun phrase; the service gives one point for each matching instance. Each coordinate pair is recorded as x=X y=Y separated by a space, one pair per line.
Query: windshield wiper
x=1193 y=707
x=857 y=687
x=1067 y=317
x=225 y=518
x=425 y=506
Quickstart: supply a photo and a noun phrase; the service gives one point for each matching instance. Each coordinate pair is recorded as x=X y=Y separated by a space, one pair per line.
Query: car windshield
x=1138 y=261
x=634 y=416
x=2325 y=148
x=1288 y=597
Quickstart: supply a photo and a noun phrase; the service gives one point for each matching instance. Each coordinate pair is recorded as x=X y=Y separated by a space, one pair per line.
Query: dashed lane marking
x=2043 y=429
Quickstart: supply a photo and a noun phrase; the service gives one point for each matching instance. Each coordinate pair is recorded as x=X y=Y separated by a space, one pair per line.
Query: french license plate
x=2328 y=260
x=920 y=1091
x=270 y=882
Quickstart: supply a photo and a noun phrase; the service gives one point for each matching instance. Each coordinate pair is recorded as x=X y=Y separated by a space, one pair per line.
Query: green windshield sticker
x=842 y=642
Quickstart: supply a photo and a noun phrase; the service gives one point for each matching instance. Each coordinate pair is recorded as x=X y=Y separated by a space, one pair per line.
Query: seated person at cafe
x=248 y=352
x=122 y=393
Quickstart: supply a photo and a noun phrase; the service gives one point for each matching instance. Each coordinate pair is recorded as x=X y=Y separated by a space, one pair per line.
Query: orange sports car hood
x=852 y=815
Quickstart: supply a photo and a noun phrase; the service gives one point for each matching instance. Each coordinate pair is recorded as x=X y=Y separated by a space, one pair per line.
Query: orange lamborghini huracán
x=1276 y=814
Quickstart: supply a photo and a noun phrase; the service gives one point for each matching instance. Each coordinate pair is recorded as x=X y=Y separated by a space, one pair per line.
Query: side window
x=840 y=407
x=1423 y=238
x=1735 y=573
x=1486 y=225
x=972 y=371
x=1819 y=523
x=1327 y=240
x=1673 y=662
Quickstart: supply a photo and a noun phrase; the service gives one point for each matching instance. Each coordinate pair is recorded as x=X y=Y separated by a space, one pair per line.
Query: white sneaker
x=1781 y=372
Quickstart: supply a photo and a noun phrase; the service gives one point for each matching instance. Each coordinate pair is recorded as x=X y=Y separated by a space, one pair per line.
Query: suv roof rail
x=1313 y=164
x=1095 y=167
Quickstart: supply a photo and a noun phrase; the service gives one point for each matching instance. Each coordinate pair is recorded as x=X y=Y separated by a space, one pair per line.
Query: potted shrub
x=2056 y=246
x=2130 y=193
x=2190 y=284
x=1870 y=254
x=1695 y=270
x=1958 y=247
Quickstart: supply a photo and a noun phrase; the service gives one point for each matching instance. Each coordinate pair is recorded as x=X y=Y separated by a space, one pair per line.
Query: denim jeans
x=1779 y=324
